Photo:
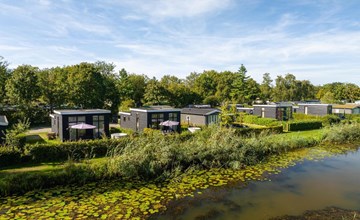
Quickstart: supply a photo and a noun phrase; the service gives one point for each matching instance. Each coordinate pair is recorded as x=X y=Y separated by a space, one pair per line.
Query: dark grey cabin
x=314 y=109
x=249 y=111
x=3 y=126
x=281 y=112
x=200 y=116
x=149 y=117
x=61 y=120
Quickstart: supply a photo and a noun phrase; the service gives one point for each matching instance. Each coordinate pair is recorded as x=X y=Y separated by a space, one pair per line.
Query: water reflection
x=309 y=185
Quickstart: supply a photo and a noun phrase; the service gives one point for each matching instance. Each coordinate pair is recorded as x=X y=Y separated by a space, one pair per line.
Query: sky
x=314 y=40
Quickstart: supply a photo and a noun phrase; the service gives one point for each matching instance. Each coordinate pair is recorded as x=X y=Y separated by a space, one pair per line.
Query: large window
x=173 y=117
x=98 y=121
x=213 y=119
x=76 y=134
x=156 y=119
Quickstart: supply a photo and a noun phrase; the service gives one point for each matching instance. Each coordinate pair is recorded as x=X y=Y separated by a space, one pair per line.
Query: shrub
x=303 y=125
x=330 y=119
x=9 y=157
x=343 y=133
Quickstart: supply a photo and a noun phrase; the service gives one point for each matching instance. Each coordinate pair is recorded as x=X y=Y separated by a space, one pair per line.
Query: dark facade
x=280 y=112
x=61 y=120
x=200 y=116
x=3 y=126
x=150 y=117
x=314 y=109
x=249 y=111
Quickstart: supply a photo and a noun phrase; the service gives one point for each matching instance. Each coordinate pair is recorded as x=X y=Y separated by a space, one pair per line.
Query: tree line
x=98 y=85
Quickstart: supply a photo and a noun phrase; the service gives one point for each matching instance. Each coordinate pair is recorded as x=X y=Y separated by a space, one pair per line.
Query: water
x=310 y=185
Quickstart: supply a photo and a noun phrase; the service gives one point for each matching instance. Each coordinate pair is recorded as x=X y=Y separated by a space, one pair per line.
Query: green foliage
x=15 y=137
x=227 y=116
x=303 y=125
x=253 y=119
x=4 y=75
x=212 y=100
x=326 y=119
x=343 y=134
x=127 y=104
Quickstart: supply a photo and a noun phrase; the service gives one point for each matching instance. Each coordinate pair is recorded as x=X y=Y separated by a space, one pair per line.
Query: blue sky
x=312 y=39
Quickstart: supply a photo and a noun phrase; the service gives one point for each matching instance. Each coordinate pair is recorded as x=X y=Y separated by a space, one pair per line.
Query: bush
x=330 y=119
x=343 y=133
x=303 y=125
x=9 y=157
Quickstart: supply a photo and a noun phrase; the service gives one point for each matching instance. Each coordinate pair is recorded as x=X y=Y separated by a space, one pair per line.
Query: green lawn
x=39 y=138
x=306 y=134
x=43 y=167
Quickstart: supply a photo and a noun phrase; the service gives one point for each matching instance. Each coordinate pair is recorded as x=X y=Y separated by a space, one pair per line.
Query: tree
x=53 y=87
x=212 y=101
x=328 y=98
x=87 y=87
x=239 y=87
x=266 y=87
x=205 y=84
x=110 y=79
x=4 y=75
x=224 y=85
x=22 y=88
x=131 y=86
x=253 y=91
x=155 y=93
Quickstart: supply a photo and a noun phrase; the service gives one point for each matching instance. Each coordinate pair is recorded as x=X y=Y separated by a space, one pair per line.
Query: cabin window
x=173 y=117
x=76 y=134
x=98 y=121
x=156 y=119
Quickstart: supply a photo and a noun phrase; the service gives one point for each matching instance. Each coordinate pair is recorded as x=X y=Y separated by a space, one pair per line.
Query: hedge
x=9 y=157
x=303 y=125
x=253 y=119
x=75 y=150
x=256 y=131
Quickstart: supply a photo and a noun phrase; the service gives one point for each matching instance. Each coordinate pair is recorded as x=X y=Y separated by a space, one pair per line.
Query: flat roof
x=81 y=111
x=3 y=120
x=199 y=111
x=313 y=104
x=158 y=108
x=275 y=105
x=347 y=106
